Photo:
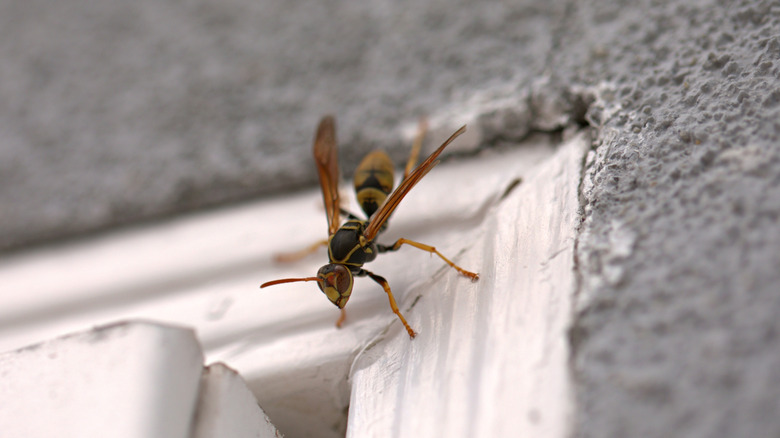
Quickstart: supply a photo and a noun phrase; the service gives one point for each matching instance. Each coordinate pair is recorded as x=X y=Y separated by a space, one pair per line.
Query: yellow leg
x=342 y=318
x=287 y=257
x=472 y=275
x=386 y=286
x=416 y=146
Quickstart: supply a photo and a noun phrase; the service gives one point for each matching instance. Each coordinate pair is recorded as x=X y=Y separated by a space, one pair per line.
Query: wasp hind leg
x=287 y=257
x=381 y=248
x=422 y=129
x=393 y=305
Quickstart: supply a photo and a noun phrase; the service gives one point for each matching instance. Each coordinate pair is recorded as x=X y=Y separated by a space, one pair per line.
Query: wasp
x=352 y=244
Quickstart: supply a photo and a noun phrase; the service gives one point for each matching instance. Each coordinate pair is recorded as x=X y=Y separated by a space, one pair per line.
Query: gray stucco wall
x=677 y=330
x=114 y=111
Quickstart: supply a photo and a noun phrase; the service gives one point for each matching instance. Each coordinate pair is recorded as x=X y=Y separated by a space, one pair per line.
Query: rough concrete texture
x=677 y=330
x=115 y=111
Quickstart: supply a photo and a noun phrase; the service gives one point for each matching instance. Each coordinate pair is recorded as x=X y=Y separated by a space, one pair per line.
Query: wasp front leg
x=342 y=318
x=393 y=305
x=381 y=248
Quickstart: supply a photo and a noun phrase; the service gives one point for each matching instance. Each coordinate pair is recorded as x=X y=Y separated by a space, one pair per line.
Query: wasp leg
x=381 y=248
x=349 y=215
x=342 y=318
x=386 y=286
x=287 y=257
x=422 y=128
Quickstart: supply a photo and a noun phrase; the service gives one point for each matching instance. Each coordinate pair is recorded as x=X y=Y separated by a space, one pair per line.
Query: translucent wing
x=326 y=157
x=380 y=217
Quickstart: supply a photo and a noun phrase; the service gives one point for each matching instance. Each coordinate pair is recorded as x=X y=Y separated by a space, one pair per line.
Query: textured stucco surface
x=115 y=111
x=678 y=328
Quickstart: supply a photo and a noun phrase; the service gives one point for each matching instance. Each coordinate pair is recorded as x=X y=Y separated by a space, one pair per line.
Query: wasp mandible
x=352 y=245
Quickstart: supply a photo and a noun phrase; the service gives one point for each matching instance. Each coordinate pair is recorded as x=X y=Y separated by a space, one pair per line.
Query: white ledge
x=490 y=357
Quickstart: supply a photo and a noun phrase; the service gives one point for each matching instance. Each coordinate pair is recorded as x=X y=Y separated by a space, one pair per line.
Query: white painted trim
x=491 y=358
x=497 y=345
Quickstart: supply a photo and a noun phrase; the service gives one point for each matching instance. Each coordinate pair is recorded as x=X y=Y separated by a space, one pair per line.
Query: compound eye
x=335 y=281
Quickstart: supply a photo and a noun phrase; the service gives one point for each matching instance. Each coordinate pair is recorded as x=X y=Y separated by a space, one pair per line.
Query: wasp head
x=335 y=281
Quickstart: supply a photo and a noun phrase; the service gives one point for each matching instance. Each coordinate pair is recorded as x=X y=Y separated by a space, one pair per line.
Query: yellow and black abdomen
x=373 y=181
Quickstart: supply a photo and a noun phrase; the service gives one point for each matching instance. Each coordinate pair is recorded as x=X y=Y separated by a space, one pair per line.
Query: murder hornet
x=352 y=244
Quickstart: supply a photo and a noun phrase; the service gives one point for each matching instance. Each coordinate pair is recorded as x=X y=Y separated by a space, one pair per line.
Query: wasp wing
x=326 y=157
x=380 y=217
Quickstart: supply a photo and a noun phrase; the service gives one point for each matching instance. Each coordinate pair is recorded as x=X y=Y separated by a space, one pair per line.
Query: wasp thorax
x=335 y=281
